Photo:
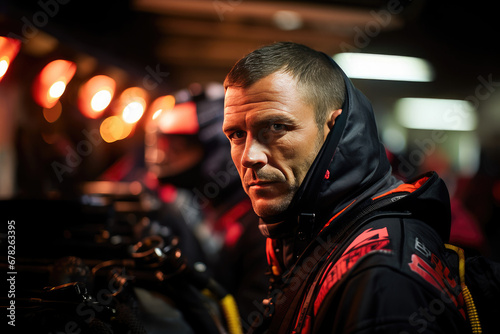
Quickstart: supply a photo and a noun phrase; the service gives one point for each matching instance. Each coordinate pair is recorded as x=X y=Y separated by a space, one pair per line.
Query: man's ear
x=333 y=116
x=330 y=121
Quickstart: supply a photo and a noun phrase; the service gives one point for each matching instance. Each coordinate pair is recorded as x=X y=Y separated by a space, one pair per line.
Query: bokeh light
x=4 y=65
x=51 y=82
x=96 y=95
x=57 y=89
x=114 y=128
x=9 y=48
x=132 y=104
x=52 y=114
x=182 y=119
x=163 y=103
x=100 y=100
x=133 y=112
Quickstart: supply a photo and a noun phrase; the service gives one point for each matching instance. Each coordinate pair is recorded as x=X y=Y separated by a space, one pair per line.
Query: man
x=351 y=248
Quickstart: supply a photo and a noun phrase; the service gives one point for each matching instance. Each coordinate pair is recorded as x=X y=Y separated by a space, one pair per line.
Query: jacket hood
x=351 y=166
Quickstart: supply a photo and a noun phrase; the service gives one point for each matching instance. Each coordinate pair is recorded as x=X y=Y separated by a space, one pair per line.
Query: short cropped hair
x=318 y=80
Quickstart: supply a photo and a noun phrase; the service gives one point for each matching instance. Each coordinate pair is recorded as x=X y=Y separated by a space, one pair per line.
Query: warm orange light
x=133 y=112
x=114 y=128
x=132 y=104
x=96 y=95
x=57 y=89
x=51 y=82
x=4 y=65
x=101 y=100
x=156 y=114
x=182 y=119
x=9 y=48
x=161 y=104
x=52 y=114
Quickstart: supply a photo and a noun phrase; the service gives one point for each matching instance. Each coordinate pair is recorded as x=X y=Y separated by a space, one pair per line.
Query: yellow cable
x=469 y=301
x=232 y=315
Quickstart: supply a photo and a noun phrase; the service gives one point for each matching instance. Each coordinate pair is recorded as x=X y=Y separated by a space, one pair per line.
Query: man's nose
x=255 y=154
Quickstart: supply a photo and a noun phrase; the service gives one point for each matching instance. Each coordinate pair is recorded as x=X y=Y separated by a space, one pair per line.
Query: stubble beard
x=282 y=205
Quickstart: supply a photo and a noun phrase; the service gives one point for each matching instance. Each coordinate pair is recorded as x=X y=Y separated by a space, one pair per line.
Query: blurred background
x=115 y=106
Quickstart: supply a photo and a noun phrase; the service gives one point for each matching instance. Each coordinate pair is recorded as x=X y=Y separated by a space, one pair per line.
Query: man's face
x=274 y=140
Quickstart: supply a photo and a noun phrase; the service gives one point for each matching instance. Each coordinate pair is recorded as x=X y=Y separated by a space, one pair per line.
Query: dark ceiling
x=199 y=40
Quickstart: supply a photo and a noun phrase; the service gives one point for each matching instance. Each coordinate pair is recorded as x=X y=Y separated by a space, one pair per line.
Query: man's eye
x=237 y=135
x=278 y=127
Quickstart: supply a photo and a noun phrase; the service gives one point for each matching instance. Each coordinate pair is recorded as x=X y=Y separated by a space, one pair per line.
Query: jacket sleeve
x=376 y=297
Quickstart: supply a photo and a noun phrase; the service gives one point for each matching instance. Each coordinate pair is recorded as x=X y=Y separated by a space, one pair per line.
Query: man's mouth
x=260 y=183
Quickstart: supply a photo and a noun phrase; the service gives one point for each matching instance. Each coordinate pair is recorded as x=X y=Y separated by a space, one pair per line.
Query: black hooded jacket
x=359 y=251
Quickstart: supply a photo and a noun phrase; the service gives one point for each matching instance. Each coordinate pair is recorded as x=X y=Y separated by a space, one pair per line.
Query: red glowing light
x=52 y=114
x=96 y=95
x=132 y=104
x=51 y=82
x=182 y=119
x=9 y=48
x=161 y=104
